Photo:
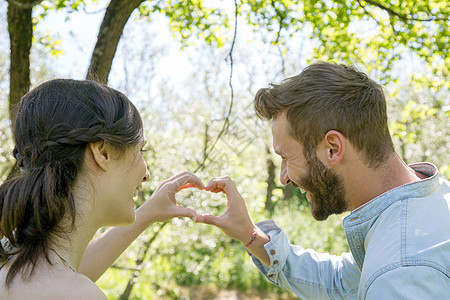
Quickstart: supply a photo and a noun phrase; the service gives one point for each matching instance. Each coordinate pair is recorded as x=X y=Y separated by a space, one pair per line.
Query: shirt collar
x=359 y=221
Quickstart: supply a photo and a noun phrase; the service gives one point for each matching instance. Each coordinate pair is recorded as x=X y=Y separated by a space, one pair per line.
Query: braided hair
x=55 y=122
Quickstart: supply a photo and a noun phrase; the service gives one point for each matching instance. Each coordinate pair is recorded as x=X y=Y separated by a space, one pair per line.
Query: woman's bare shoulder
x=59 y=285
x=81 y=287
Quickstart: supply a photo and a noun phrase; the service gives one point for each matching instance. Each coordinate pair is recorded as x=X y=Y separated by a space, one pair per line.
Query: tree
x=20 y=28
x=116 y=16
x=420 y=27
x=373 y=32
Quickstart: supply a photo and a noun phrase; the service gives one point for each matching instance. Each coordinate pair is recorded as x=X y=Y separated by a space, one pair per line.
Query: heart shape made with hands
x=235 y=221
x=163 y=205
x=210 y=201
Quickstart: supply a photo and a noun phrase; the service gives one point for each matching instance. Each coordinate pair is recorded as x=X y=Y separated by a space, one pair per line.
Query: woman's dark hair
x=55 y=123
x=327 y=96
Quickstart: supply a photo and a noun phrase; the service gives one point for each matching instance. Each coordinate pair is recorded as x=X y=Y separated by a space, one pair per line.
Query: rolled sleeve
x=305 y=272
x=277 y=248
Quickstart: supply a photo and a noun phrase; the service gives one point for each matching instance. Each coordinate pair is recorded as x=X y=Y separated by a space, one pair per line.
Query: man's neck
x=365 y=184
x=396 y=173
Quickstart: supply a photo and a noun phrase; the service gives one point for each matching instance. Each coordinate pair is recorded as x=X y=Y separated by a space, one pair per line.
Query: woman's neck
x=71 y=247
x=73 y=244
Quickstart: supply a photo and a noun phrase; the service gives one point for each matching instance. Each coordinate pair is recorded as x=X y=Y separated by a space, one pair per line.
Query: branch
x=277 y=40
x=403 y=17
x=367 y=12
x=24 y=5
x=227 y=117
x=113 y=23
x=93 y=12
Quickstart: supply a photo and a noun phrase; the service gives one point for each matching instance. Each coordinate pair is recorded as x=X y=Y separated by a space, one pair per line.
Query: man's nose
x=284 y=178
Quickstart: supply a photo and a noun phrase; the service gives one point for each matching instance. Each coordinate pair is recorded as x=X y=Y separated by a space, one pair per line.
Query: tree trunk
x=270 y=182
x=20 y=28
x=116 y=16
x=288 y=191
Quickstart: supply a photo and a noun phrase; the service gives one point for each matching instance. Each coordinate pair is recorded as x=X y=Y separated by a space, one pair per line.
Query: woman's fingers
x=179 y=182
x=186 y=186
x=183 y=179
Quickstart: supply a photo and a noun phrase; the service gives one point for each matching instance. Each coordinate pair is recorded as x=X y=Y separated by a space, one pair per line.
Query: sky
x=78 y=36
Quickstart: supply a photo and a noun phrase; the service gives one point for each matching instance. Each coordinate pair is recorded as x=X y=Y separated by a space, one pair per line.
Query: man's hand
x=235 y=222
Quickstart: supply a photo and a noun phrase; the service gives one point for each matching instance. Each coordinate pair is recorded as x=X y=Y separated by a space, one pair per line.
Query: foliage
x=420 y=114
x=50 y=44
x=70 y=5
x=183 y=119
x=189 y=18
x=374 y=33
x=6 y=145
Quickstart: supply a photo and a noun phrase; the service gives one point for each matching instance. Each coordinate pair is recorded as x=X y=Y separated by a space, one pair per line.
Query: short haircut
x=328 y=96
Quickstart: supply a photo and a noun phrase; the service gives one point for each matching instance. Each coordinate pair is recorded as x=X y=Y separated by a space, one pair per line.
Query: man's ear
x=334 y=145
x=101 y=154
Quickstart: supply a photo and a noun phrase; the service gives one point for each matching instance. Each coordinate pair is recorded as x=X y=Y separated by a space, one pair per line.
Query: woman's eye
x=144 y=150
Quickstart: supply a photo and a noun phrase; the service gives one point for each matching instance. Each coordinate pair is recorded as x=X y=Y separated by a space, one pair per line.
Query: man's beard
x=325 y=188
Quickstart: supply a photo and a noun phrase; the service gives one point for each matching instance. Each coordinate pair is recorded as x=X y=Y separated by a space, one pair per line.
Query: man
x=329 y=125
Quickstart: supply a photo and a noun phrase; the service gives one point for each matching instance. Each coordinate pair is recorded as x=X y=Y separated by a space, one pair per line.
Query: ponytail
x=33 y=206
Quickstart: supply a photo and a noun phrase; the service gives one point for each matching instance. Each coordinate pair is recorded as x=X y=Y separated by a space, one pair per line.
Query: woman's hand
x=162 y=205
x=235 y=222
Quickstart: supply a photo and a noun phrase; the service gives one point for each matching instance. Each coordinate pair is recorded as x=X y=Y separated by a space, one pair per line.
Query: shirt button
x=272 y=252
x=275 y=262
x=270 y=276
x=357 y=247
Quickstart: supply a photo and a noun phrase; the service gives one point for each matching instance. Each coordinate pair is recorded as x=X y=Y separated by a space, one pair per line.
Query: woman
x=79 y=146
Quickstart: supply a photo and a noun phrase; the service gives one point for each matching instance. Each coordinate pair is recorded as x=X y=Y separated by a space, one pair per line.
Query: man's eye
x=144 y=150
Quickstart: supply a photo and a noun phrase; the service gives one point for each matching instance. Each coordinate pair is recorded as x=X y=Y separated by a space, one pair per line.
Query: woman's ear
x=101 y=154
x=334 y=145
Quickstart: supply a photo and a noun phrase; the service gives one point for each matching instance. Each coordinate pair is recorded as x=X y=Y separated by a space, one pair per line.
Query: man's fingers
x=209 y=219
x=217 y=190
x=186 y=212
x=216 y=185
x=225 y=185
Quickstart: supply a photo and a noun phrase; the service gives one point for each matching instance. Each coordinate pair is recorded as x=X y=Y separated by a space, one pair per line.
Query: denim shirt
x=399 y=242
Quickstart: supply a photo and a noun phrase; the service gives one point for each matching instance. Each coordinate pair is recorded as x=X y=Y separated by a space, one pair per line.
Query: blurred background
x=192 y=68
